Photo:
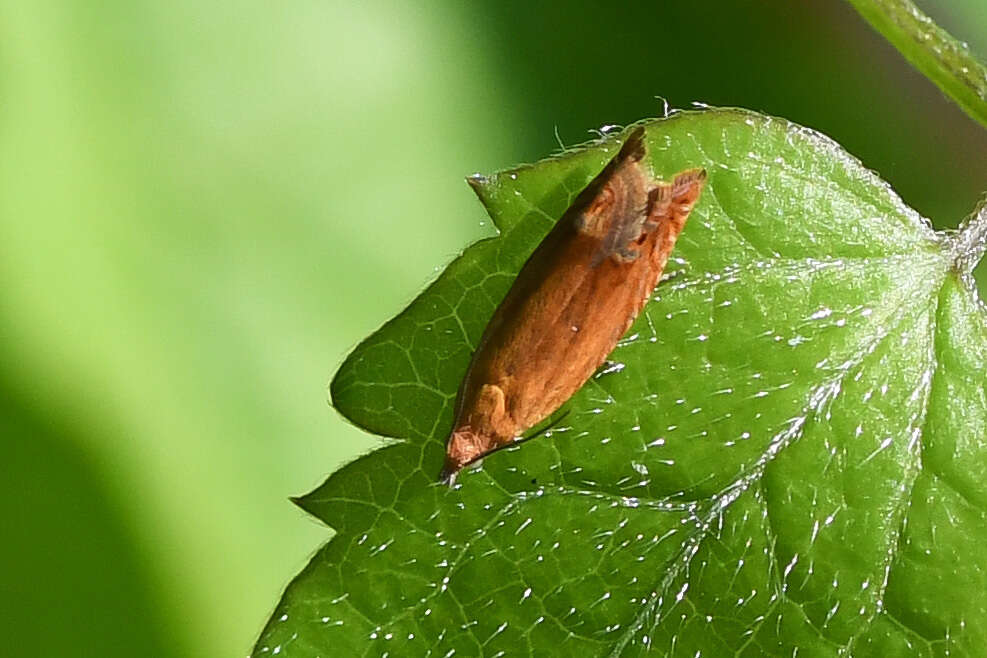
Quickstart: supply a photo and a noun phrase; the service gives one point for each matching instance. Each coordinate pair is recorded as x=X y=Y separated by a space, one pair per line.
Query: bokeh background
x=204 y=206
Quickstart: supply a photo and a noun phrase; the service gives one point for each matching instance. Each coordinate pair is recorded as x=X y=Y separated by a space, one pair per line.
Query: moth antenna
x=548 y=427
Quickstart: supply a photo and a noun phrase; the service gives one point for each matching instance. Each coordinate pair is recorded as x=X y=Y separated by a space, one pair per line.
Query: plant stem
x=933 y=51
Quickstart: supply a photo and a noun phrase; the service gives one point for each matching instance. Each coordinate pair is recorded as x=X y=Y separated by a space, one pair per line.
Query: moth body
x=573 y=299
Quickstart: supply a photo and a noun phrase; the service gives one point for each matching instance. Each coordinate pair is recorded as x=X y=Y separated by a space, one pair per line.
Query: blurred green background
x=204 y=206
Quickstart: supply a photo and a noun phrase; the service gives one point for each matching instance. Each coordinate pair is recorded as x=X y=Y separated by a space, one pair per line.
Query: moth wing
x=592 y=206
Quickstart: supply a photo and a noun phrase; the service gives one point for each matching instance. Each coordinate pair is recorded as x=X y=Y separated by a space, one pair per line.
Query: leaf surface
x=787 y=451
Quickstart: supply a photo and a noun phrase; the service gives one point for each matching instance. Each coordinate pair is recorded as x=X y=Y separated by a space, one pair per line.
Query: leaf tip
x=302 y=503
x=478 y=182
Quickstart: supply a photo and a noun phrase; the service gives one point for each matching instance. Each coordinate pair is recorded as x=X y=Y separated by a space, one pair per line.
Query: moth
x=573 y=299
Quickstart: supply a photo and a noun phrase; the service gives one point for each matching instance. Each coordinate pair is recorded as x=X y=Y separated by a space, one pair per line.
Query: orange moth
x=573 y=299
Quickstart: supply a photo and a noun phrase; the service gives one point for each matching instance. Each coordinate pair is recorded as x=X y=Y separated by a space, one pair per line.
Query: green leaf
x=932 y=50
x=788 y=453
